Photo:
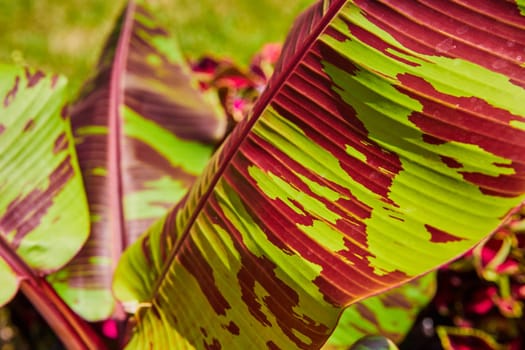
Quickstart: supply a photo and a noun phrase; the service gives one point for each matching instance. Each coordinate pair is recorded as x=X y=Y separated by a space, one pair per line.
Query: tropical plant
x=388 y=141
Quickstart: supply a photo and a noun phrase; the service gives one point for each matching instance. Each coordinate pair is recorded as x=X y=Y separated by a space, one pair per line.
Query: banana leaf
x=44 y=217
x=389 y=141
x=143 y=132
x=42 y=199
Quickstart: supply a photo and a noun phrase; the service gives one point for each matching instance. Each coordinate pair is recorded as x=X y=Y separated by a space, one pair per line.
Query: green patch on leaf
x=9 y=282
x=165 y=143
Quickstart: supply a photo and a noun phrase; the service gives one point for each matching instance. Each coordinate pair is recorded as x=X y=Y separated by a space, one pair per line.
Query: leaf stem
x=73 y=331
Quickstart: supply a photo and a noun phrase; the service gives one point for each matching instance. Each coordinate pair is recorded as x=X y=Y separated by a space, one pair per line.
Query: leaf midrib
x=260 y=105
x=116 y=100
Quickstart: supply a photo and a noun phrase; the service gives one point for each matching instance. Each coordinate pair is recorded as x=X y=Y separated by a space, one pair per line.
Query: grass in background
x=233 y=28
x=66 y=36
x=59 y=36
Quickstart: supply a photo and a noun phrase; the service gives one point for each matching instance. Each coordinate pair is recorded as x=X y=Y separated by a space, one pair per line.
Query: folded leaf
x=143 y=132
x=43 y=209
x=372 y=157
x=390 y=314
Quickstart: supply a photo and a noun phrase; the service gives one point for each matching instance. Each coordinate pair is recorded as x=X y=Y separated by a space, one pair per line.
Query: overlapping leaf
x=389 y=142
x=42 y=201
x=143 y=132
x=390 y=314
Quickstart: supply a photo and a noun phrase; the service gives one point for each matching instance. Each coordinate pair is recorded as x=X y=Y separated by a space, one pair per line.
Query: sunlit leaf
x=143 y=133
x=43 y=210
x=373 y=157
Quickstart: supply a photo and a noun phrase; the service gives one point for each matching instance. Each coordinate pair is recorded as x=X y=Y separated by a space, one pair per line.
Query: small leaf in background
x=43 y=209
x=371 y=158
x=390 y=314
x=467 y=338
x=143 y=132
x=237 y=89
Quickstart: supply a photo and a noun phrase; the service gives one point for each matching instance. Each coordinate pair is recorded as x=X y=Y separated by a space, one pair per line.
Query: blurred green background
x=66 y=36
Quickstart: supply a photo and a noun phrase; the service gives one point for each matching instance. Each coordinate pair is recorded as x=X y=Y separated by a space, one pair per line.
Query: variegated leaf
x=390 y=141
x=143 y=133
x=43 y=209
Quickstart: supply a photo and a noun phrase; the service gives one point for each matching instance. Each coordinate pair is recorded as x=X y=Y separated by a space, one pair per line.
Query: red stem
x=73 y=331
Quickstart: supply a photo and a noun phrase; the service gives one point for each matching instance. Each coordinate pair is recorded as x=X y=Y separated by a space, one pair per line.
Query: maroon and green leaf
x=390 y=314
x=44 y=217
x=42 y=199
x=390 y=140
x=143 y=132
